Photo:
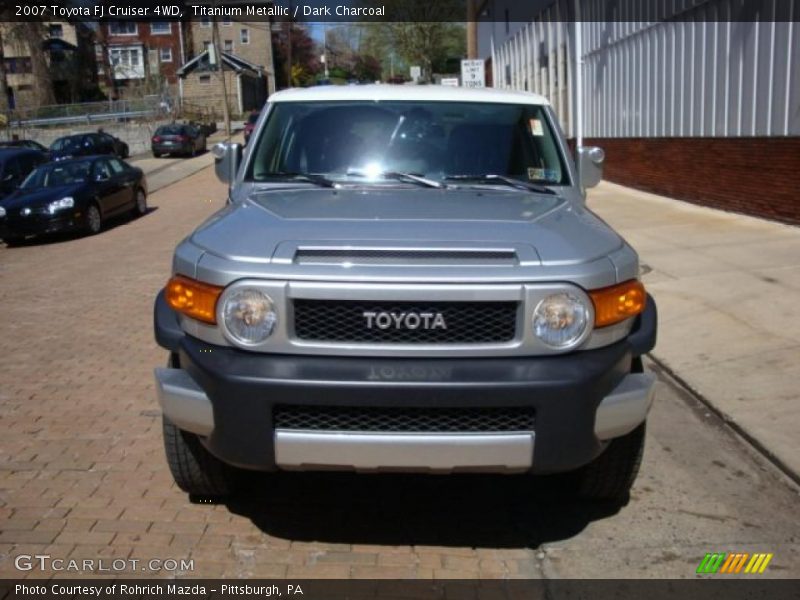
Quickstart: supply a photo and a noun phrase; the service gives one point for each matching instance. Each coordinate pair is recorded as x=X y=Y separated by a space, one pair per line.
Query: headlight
x=67 y=202
x=249 y=316
x=560 y=320
x=2 y=212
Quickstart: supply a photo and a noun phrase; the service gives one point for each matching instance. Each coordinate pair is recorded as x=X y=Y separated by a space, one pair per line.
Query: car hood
x=39 y=196
x=560 y=230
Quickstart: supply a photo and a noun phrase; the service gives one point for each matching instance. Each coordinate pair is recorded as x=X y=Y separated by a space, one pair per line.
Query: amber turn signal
x=618 y=302
x=193 y=298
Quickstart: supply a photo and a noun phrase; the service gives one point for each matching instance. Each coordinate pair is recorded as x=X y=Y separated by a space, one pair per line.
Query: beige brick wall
x=258 y=51
x=209 y=95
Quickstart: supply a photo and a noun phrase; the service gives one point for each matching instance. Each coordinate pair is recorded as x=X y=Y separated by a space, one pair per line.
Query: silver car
x=405 y=278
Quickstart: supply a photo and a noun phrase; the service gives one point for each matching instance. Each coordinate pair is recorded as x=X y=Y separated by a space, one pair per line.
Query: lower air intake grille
x=375 y=419
x=391 y=323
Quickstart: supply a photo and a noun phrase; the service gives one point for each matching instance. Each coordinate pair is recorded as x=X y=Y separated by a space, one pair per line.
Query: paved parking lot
x=83 y=476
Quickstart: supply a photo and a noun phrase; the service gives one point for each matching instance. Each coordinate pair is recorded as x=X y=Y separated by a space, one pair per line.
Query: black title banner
x=583 y=589
x=343 y=11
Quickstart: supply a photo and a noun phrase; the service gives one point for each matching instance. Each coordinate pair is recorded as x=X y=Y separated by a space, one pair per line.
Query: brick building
x=137 y=58
x=68 y=53
x=248 y=40
x=200 y=84
x=697 y=103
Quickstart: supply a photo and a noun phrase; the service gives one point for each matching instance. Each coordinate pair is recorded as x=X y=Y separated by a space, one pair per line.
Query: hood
x=561 y=231
x=36 y=197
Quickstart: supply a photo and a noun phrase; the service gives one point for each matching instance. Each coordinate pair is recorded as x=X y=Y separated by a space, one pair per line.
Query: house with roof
x=200 y=83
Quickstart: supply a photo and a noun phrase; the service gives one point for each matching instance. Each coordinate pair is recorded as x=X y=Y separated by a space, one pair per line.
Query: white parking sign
x=473 y=74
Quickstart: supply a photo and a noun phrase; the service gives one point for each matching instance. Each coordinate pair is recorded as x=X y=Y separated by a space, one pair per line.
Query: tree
x=420 y=34
x=305 y=62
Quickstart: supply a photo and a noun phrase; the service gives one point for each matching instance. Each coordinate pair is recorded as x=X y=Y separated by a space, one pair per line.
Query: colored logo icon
x=735 y=562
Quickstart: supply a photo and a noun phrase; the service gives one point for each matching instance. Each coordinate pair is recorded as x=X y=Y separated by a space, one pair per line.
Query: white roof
x=430 y=93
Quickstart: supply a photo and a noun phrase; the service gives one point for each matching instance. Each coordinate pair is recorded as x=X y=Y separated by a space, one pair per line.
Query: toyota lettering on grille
x=404 y=320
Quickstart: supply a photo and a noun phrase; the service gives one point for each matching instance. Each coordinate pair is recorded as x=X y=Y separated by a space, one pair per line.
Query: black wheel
x=196 y=471
x=94 y=220
x=156 y=154
x=610 y=476
x=140 y=203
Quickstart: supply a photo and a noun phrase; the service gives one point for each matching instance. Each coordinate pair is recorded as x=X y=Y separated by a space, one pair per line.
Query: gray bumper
x=185 y=404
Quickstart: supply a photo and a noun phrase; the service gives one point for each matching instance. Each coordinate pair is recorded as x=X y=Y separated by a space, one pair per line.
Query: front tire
x=94 y=220
x=140 y=203
x=610 y=476
x=196 y=471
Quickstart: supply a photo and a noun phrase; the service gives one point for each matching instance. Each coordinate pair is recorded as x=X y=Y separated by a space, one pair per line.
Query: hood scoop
x=406 y=257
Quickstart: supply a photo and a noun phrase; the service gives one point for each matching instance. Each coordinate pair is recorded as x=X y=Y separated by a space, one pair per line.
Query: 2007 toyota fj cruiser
x=405 y=279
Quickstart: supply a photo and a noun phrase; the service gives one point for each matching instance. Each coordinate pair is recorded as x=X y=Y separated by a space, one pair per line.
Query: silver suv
x=405 y=278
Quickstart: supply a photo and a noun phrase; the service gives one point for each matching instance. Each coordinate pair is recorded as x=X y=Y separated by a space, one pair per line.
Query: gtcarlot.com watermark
x=45 y=562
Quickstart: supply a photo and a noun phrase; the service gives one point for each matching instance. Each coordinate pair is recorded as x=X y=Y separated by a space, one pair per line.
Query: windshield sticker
x=536 y=174
x=536 y=127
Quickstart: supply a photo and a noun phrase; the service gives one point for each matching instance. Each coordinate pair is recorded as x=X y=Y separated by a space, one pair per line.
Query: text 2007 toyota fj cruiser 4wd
x=405 y=279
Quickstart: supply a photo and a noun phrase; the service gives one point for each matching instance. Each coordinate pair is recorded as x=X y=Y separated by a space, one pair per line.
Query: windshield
x=55 y=174
x=431 y=139
x=67 y=143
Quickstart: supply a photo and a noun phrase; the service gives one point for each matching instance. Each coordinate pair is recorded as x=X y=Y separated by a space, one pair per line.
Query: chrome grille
x=345 y=321
x=403 y=419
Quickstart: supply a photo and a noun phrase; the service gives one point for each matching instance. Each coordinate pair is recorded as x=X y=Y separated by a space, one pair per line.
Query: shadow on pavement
x=463 y=510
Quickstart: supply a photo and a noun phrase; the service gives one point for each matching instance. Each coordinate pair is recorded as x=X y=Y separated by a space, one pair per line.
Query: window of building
x=125 y=57
x=205 y=22
x=166 y=54
x=206 y=46
x=227 y=46
x=204 y=79
x=122 y=28
x=160 y=27
x=56 y=30
x=244 y=36
x=227 y=22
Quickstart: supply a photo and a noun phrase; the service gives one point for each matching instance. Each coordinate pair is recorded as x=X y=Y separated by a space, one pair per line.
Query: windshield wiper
x=509 y=181
x=399 y=176
x=319 y=180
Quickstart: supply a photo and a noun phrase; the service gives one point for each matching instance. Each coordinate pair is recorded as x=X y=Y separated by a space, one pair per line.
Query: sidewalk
x=728 y=293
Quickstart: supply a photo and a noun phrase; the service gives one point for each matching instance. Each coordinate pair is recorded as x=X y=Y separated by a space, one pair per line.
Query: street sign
x=451 y=81
x=473 y=74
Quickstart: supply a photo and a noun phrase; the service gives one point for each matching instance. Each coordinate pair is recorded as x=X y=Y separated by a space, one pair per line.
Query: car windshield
x=67 y=143
x=55 y=174
x=436 y=140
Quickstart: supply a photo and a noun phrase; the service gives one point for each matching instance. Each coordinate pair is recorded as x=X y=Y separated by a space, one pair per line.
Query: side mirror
x=590 y=165
x=227 y=158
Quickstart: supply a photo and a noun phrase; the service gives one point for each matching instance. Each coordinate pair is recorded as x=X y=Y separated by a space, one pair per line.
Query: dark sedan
x=178 y=139
x=88 y=144
x=29 y=144
x=72 y=194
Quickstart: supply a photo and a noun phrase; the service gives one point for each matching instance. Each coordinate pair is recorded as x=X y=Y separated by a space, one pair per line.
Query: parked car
x=252 y=118
x=413 y=283
x=178 y=139
x=72 y=194
x=15 y=164
x=30 y=144
x=88 y=144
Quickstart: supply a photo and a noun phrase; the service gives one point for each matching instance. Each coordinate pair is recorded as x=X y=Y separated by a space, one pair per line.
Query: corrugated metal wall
x=687 y=78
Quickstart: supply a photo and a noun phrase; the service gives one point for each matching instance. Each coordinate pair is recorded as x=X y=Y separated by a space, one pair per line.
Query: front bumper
x=39 y=224
x=580 y=400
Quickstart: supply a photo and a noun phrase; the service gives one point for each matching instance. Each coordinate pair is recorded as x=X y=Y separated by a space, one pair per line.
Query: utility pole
x=226 y=115
x=474 y=9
